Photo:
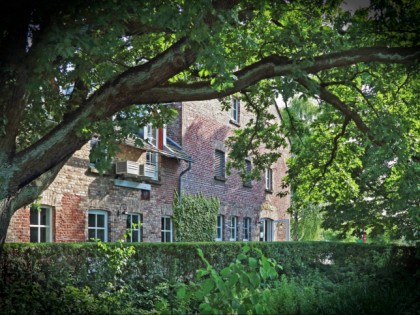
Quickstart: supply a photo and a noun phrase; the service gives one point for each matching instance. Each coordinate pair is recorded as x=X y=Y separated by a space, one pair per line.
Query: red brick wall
x=205 y=128
x=19 y=227
x=70 y=223
x=201 y=127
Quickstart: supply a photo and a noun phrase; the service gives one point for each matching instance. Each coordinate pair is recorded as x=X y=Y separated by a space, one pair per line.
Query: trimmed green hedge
x=64 y=271
x=81 y=263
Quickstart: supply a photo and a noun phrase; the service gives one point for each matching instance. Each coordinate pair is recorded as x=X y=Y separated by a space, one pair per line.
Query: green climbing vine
x=195 y=219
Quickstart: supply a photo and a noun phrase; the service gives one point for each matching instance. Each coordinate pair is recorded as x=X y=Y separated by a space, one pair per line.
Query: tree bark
x=24 y=196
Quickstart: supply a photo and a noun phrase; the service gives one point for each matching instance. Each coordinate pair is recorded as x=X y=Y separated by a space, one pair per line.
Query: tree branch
x=336 y=102
x=276 y=66
x=147 y=83
x=111 y=97
x=333 y=151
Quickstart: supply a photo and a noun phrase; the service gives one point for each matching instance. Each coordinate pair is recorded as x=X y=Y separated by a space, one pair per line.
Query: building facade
x=189 y=154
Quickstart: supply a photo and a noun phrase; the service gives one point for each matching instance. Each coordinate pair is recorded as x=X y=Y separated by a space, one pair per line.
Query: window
x=98 y=225
x=152 y=164
x=219 y=165
x=166 y=229
x=219 y=227
x=151 y=134
x=266 y=230
x=268 y=179
x=248 y=183
x=234 y=111
x=233 y=228
x=134 y=222
x=40 y=225
x=247 y=229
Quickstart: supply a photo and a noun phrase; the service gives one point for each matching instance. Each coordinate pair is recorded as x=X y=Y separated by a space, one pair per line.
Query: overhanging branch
x=111 y=97
x=333 y=152
x=337 y=103
x=276 y=66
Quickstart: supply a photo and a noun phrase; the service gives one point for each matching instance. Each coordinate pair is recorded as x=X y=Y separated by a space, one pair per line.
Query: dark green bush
x=318 y=277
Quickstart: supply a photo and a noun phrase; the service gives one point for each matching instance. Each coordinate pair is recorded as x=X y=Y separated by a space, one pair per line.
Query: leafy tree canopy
x=68 y=68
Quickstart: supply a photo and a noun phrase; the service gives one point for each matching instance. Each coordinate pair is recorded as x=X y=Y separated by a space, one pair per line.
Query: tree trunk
x=296 y=226
x=6 y=213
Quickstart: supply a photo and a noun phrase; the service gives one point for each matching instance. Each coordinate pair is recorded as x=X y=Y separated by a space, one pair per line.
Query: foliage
x=317 y=278
x=336 y=169
x=195 y=218
x=359 y=294
x=243 y=286
x=68 y=69
x=309 y=225
x=117 y=256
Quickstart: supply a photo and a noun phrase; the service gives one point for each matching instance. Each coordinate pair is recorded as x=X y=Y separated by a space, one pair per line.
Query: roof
x=172 y=149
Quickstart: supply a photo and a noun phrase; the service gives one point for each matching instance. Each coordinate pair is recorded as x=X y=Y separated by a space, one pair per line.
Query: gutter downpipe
x=180 y=181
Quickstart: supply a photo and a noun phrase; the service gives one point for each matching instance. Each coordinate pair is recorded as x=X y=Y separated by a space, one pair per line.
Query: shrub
x=239 y=288
x=320 y=277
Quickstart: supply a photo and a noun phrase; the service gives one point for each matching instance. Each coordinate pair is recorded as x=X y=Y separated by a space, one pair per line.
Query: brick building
x=190 y=153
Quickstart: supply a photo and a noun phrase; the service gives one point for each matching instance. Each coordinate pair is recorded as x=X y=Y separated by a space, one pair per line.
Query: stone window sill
x=269 y=191
x=220 y=178
x=234 y=122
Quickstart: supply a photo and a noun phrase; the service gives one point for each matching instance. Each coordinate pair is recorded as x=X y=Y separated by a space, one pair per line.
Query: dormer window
x=154 y=136
x=151 y=135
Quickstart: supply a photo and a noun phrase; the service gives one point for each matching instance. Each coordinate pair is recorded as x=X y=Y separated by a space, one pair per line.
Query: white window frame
x=233 y=228
x=96 y=228
x=269 y=179
x=234 y=110
x=39 y=227
x=266 y=230
x=247 y=229
x=151 y=134
x=132 y=228
x=165 y=229
x=220 y=221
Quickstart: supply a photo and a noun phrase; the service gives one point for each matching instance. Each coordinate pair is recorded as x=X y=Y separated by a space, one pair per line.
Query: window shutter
x=219 y=163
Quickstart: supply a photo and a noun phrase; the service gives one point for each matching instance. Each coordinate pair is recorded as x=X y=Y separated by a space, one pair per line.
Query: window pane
x=101 y=235
x=129 y=221
x=34 y=235
x=43 y=232
x=43 y=216
x=135 y=219
x=91 y=222
x=135 y=236
x=100 y=220
x=91 y=234
x=34 y=217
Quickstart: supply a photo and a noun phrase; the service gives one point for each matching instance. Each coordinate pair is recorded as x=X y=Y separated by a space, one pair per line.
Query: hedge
x=82 y=264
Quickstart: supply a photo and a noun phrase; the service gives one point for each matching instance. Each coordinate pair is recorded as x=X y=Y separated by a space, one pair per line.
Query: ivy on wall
x=195 y=219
